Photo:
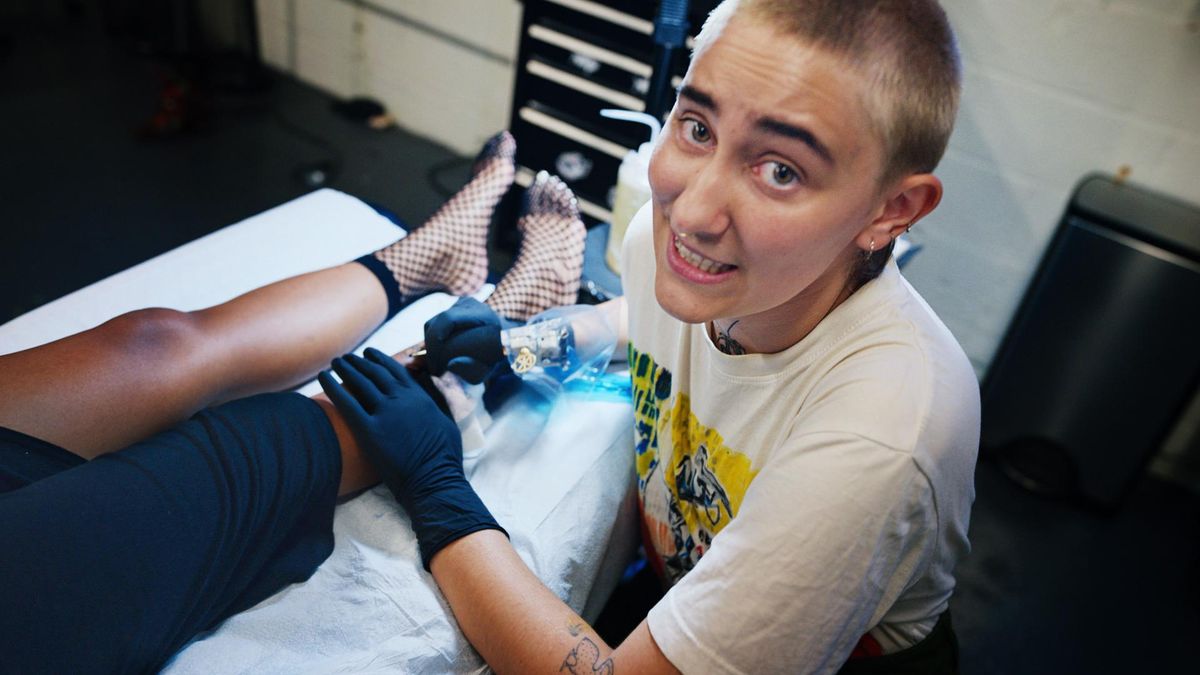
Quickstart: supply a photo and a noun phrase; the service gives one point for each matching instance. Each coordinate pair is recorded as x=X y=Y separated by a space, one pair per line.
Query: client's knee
x=152 y=333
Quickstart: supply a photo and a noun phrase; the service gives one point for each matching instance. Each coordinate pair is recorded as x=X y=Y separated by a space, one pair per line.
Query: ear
x=905 y=202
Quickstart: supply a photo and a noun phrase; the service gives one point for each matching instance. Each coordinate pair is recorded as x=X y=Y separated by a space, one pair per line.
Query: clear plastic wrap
x=563 y=348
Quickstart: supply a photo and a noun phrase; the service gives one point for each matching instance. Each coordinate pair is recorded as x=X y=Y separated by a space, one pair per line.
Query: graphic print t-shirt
x=693 y=491
x=799 y=500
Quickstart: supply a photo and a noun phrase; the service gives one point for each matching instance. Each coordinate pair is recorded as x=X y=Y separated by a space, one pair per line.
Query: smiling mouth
x=698 y=261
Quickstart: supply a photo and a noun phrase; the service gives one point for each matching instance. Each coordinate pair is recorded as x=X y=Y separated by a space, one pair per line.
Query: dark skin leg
x=357 y=473
x=120 y=382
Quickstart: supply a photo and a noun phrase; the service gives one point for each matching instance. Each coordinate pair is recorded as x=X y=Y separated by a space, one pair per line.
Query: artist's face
x=766 y=173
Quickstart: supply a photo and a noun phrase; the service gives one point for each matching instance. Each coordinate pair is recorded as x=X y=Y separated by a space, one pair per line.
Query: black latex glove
x=415 y=448
x=465 y=340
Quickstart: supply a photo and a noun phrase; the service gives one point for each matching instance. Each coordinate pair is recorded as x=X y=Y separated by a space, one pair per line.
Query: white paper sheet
x=559 y=480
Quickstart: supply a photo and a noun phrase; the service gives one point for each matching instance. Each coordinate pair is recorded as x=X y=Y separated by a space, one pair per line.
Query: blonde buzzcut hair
x=904 y=49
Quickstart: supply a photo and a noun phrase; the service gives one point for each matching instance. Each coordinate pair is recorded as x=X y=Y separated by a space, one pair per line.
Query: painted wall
x=443 y=68
x=1053 y=89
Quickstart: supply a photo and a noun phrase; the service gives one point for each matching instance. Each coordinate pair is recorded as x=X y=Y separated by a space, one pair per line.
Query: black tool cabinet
x=576 y=58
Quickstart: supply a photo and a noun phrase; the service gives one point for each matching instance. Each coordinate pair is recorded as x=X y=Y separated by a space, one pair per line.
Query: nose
x=702 y=208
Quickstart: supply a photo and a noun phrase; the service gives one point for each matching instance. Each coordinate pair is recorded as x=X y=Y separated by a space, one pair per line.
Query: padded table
x=557 y=475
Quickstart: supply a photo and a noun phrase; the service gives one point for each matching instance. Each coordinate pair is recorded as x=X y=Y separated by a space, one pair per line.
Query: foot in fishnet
x=449 y=252
x=548 y=266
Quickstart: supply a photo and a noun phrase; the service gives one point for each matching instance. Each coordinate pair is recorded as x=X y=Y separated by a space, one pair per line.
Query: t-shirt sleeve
x=830 y=533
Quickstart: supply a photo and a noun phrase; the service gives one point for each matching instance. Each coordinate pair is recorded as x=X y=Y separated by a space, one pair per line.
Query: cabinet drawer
x=563 y=50
x=602 y=23
x=581 y=107
x=552 y=83
x=587 y=164
x=640 y=9
x=578 y=57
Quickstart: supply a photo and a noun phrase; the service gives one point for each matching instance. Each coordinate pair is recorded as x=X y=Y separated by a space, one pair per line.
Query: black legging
x=113 y=565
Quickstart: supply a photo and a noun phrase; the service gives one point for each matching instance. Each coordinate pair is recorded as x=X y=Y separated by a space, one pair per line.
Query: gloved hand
x=416 y=449
x=465 y=340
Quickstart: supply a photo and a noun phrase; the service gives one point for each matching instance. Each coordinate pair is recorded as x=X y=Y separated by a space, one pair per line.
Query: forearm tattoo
x=585 y=659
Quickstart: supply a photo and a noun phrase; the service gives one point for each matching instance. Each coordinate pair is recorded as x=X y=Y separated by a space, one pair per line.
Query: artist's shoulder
x=898 y=377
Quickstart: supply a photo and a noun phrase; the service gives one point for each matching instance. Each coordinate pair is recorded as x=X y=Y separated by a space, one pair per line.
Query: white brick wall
x=1053 y=89
x=415 y=63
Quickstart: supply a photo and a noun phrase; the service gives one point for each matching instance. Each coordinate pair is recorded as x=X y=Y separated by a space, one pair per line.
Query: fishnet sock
x=548 y=266
x=449 y=252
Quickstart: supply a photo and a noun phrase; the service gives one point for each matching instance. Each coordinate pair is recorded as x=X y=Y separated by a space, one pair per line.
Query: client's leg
x=545 y=274
x=141 y=372
x=449 y=252
x=114 y=564
x=547 y=270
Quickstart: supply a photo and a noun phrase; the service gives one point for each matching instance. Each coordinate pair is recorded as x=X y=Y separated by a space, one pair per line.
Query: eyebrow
x=798 y=133
x=698 y=97
x=767 y=124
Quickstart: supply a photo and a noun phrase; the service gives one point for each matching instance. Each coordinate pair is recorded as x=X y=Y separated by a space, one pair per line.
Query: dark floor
x=1048 y=588
x=85 y=194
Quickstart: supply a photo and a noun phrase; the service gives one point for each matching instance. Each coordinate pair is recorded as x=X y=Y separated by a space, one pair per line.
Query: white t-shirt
x=800 y=500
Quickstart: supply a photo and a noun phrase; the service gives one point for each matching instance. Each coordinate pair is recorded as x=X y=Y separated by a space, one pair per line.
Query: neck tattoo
x=725 y=342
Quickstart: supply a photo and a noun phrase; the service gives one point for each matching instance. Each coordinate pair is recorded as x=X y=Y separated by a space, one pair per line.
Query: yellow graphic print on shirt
x=702 y=482
x=651 y=387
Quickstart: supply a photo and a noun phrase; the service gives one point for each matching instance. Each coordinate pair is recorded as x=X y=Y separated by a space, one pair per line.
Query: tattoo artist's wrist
x=445 y=514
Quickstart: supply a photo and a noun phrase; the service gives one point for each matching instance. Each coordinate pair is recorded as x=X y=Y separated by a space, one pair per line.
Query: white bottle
x=633 y=184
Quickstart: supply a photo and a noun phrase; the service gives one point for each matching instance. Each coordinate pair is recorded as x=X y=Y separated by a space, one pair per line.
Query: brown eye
x=783 y=174
x=699 y=132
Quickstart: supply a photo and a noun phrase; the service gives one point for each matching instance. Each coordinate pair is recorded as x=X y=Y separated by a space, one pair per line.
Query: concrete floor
x=85 y=195
x=1048 y=588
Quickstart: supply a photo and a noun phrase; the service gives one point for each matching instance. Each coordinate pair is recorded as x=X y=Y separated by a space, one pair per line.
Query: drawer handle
x=573 y=165
x=608 y=14
x=588 y=87
x=602 y=55
x=585 y=64
x=556 y=126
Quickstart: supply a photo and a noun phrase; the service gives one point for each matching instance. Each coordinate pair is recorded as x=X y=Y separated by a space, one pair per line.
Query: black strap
x=937 y=654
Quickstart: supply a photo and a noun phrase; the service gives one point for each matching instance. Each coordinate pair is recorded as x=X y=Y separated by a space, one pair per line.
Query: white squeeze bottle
x=633 y=184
